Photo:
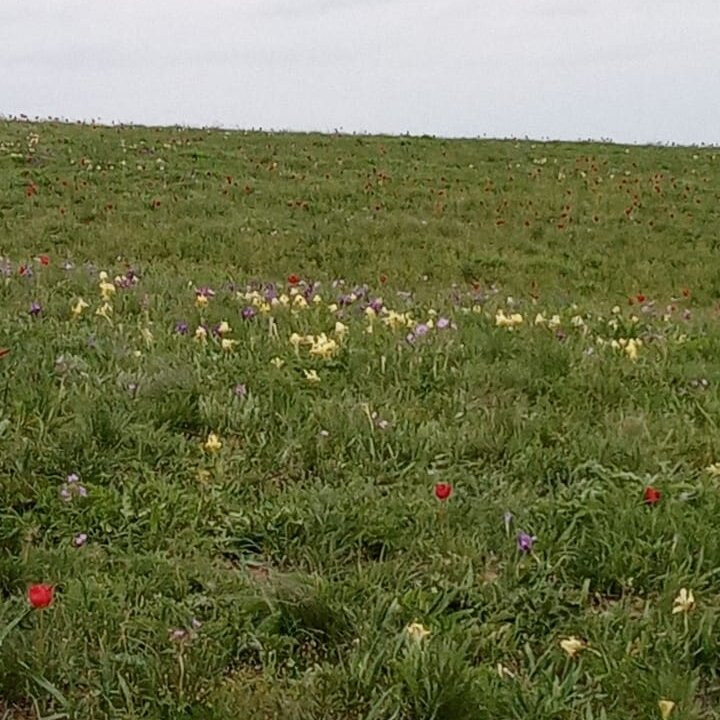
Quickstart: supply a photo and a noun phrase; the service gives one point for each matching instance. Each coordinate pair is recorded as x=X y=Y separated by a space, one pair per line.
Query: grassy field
x=242 y=367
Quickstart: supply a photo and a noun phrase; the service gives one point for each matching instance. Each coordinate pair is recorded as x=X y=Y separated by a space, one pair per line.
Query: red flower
x=383 y=279
x=22 y=270
x=686 y=292
x=443 y=491
x=31 y=189
x=40 y=596
x=652 y=495
x=293 y=279
x=640 y=298
x=44 y=259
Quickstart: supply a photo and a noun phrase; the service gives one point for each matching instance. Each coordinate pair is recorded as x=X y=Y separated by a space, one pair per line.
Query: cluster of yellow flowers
x=629 y=346
x=321 y=345
x=395 y=320
x=508 y=321
x=552 y=323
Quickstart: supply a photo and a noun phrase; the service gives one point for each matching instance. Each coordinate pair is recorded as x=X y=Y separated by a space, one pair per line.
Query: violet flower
x=79 y=540
x=248 y=313
x=442 y=323
x=525 y=542
x=240 y=390
x=35 y=309
x=181 y=328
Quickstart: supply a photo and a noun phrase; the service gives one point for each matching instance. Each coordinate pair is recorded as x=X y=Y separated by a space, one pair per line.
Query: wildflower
x=293 y=279
x=44 y=260
x=228 y=344
x=442 y=323
x=540 y=319
x=295 y=340
x=508 y=321
x=79 y=540
x=340 y=329
x=666 y=707
x=311 y=376
x=104 y=311
x=79 y=307
x=107 y=290
x=651 y=495
x=72 y=488
x=212 y=444
x=223 y=328
x=421 y=329
x=525 y=542
x=572 y=645
x=277 y=362
x=35 y=309
x=40 y=595
x=240 y=390
x=181 y=328
x=684 y=602
x=248 y=313
x=443 y=491
x=417 y=632
x=508 y=518
x=554 y=322
x=200 y=334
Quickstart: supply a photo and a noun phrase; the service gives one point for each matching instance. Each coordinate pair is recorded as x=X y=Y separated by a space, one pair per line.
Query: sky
x=627 y=70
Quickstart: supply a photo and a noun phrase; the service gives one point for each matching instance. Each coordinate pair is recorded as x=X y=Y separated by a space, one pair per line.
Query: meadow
x=331 y=427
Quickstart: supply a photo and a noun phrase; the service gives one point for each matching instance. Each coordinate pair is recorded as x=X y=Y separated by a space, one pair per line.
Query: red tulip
x=652 y=495
x=293 y=279
x=44 y=259
x=40 y=596
x=443 y=491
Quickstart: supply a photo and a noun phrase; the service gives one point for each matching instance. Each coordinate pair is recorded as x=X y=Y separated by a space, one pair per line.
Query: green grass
x=307 y=544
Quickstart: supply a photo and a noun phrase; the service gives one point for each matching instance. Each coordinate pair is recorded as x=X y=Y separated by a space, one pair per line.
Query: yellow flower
x=201 y=334
x=340 y=329
x=572 y=645
x=554 y=322
x=227 y=344
x=312 y=376
x=79 y=306
x=107 y=290
x=577 y=321
x=223 y=328
x=508 y=321
x=684 y=602
x=539 y=319
x=102 y=276
x=104 y=311
x=332 y=307
x=137 y=353
x=295 y=340
x=300 y=301
x=631 y=349
x=201 y=300
x=417 y=632
x=284 y=300
x=277 y=362
x=666 y=708
x=212 y=444
x=317 y=299
x=264 y=308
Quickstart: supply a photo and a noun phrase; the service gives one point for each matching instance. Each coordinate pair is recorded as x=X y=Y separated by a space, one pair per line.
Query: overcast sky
x=630 y=70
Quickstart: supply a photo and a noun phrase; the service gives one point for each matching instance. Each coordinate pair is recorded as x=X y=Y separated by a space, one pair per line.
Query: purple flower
x=240 y=390
x=248 y=313
x=79 y=540
x=376 y=305
x=410 y=337
x=72 y=478
x=421 y=329
x=71 y=488
x=35 y=309
x=442 y=323
x=181 y=328
x=204 y=292
x=270 y=292
x=525 y=542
